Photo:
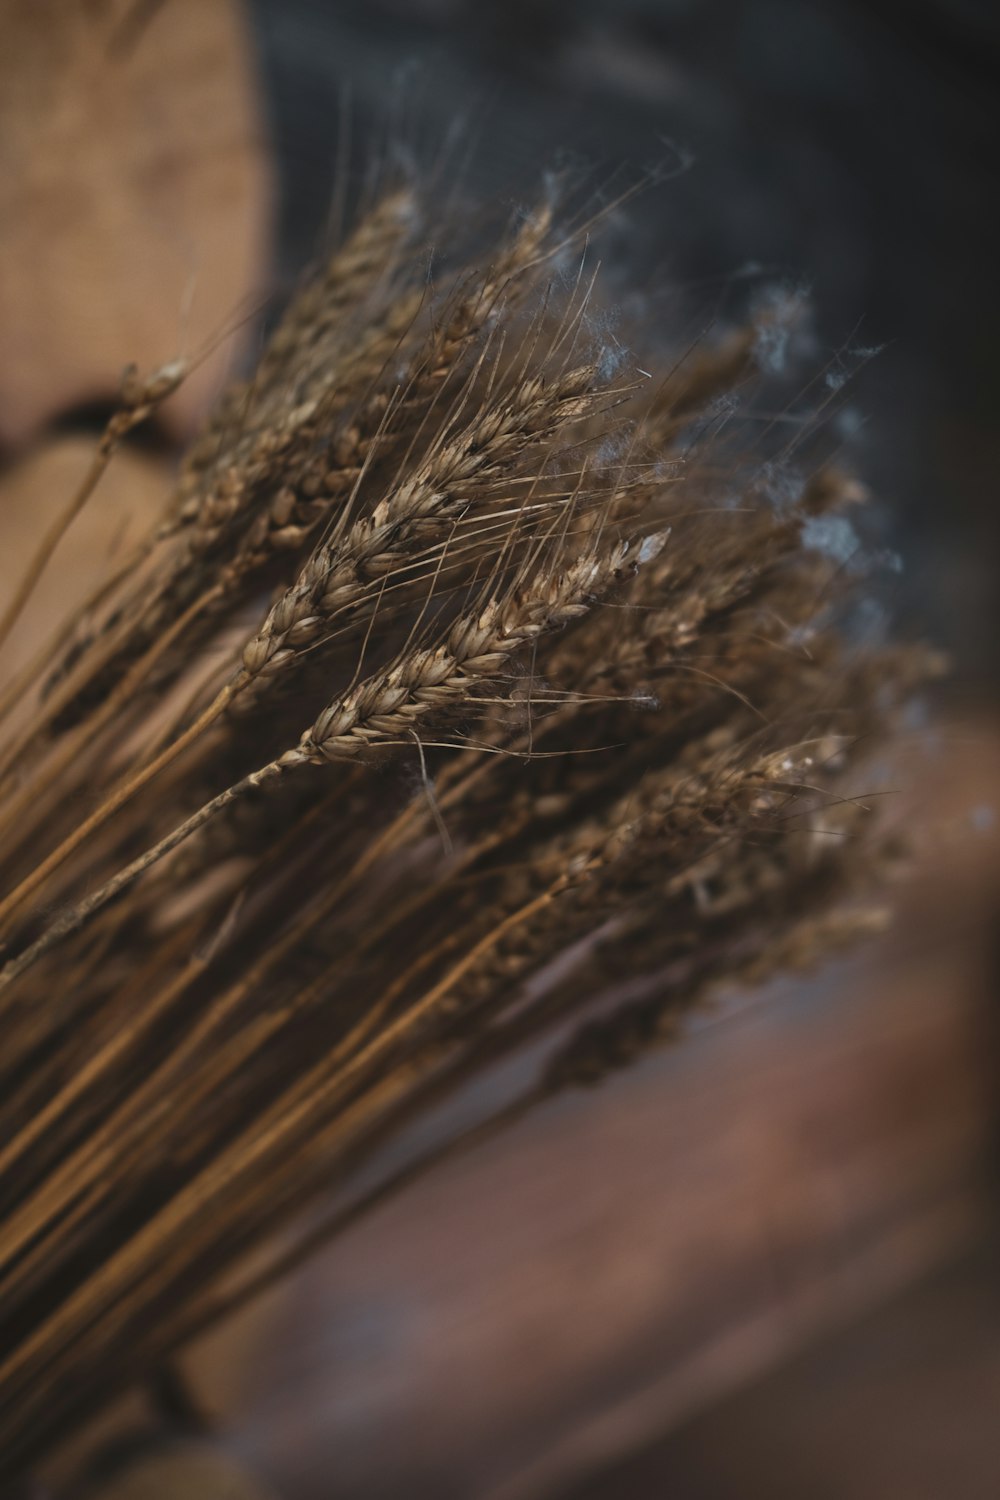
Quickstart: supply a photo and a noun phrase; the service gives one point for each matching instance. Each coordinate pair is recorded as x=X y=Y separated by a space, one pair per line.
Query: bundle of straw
x=470 y=674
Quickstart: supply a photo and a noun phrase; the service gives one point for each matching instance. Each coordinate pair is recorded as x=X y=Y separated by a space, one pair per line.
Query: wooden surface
x=902 y=1405
x=134 y=199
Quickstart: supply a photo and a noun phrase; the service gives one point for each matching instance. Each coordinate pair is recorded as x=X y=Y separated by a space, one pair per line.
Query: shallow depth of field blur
x=763 y=1262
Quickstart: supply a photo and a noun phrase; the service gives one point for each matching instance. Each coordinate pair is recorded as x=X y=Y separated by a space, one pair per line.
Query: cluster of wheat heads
x=477 y=692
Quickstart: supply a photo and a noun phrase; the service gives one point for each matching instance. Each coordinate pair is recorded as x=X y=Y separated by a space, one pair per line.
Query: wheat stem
x=74 y=917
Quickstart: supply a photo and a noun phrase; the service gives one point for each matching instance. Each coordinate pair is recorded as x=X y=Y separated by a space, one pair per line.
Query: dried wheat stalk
x=541 y=687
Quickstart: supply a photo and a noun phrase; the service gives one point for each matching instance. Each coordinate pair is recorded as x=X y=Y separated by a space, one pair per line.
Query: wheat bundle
x=470 y=672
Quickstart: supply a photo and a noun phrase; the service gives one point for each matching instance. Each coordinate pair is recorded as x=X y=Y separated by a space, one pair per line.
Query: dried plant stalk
x=544 y=682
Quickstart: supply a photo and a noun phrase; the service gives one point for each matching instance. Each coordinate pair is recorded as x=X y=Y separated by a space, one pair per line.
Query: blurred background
x=764 y=1263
